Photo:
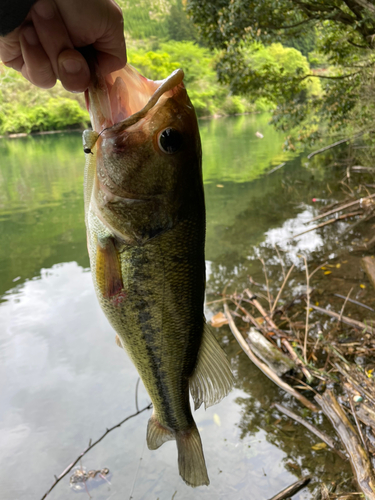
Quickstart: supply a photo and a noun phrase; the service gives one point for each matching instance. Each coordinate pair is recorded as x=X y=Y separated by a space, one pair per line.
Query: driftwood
x=262 y=366
x=368 y=264
x=345 y=319
x=292 y=489
x=321 y=435
x=359 y=460
x=267 y=352
x=272 y=325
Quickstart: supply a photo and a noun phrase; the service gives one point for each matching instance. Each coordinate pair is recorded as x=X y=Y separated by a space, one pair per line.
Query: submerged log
x=358 y=458
x=267 y=352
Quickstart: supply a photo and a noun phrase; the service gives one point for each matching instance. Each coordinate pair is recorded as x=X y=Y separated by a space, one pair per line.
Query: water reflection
x=64 y=380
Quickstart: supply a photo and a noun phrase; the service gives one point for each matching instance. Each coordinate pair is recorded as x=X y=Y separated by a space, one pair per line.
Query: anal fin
x=108 y=269
x=157 y=434
x=212 y=378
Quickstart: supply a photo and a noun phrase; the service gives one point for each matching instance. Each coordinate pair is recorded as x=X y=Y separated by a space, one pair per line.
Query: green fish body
x=145 y=219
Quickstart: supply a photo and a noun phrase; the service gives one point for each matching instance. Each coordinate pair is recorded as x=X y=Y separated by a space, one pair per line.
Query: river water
x=64 y=380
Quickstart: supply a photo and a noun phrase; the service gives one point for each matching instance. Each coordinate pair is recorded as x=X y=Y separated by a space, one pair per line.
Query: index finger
x=10 y=49
x=111 y=47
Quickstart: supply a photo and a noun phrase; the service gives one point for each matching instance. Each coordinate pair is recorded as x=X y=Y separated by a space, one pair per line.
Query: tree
x=344 y=37
x=180 y=27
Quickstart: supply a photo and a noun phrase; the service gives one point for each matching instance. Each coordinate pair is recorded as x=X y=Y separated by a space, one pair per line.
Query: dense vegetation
x=160 y=38
x=239 y=56
x=339 y=37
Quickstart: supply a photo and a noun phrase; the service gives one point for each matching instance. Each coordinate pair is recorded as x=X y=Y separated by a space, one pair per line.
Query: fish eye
x=170 y=141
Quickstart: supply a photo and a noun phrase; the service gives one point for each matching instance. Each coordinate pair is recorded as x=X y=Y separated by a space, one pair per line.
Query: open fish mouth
x=124 y=97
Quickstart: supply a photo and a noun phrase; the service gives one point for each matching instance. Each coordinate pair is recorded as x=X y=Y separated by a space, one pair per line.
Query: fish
x=145 y=220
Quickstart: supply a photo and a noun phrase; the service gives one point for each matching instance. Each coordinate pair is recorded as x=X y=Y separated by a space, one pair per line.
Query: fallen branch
x=366 y=4
x=359 y=460
x=90 y=446
x=345 y=319
x=262 y=366
x=292 y=489
x=326 y=148
x=274 y=327
x=342 y=207
x=326 y=223
x=276 y=168
x=354 y=302
x=330 y=146
x=311 y=428
x=297 y=361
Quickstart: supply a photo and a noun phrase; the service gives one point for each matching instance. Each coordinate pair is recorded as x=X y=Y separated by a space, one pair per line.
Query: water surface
x=64 y=380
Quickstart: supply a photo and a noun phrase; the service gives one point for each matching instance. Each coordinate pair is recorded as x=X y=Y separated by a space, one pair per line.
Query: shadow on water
x=66 y=379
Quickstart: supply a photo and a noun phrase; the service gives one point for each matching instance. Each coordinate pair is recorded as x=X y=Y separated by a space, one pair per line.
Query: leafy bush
x=233 y=105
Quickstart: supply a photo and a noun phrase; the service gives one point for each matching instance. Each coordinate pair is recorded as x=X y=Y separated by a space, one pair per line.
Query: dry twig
x=343 y=307
x=281 y=290
x=307 y=309
x=330 y=221
x=90 y=446
x=311 y=428
x=345 y=319
x=262 y=366
x=342 y=207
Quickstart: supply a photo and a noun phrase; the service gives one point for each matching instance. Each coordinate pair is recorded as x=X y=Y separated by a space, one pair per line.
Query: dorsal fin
x=212 y=378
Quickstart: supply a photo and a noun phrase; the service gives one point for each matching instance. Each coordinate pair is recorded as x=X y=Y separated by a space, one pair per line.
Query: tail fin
x=191 y=463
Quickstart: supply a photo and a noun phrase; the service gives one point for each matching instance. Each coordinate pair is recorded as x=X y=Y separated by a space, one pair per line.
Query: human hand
x=43 y=47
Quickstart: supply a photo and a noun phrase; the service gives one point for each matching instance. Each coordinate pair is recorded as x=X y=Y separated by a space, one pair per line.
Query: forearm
x=12 y=14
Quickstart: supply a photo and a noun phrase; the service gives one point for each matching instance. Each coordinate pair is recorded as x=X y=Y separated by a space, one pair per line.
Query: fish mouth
x=124 y=97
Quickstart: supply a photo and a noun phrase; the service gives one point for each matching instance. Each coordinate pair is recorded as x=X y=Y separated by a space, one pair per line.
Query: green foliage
x=340 y=33
x=54 y=114
x=179 y=25
x=207 y=95
x=25 y=109
x=145 y=18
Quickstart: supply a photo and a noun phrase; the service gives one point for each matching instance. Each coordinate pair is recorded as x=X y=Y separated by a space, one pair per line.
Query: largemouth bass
x=145 y=218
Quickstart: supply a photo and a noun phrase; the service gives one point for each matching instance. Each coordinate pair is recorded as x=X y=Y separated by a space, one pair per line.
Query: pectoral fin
x=108 y=269
x=212 y=378
x=118 y=341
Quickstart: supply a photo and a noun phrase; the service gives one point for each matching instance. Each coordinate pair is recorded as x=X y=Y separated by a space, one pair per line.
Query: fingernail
x=31 y=36
x=72 y=66
x=44 y=9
